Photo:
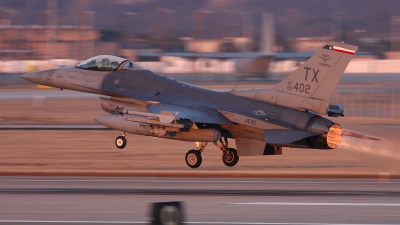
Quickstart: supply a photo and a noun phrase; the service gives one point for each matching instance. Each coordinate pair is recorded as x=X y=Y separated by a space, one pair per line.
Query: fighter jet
x=262 y=121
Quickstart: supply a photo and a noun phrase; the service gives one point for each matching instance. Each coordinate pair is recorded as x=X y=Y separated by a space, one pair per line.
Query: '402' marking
x=300 y=87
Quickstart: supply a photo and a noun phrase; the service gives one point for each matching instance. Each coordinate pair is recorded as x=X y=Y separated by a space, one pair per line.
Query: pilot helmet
x=105 y=61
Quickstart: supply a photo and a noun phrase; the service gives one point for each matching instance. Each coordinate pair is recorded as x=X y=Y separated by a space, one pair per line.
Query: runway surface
x=53 y=127
x=40 y=95
x=98 y=200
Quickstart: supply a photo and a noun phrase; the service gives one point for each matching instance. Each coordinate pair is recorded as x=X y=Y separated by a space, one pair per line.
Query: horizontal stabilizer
x=356 y=135
x=285 y=136
x=335 y=110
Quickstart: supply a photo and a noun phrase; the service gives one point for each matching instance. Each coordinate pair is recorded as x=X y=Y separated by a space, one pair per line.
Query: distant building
x=239 y=44
x=46 y=42
x=309 y=44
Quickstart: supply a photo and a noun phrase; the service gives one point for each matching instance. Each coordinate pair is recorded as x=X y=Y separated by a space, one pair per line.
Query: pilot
x=105 y=63
x=114 y=64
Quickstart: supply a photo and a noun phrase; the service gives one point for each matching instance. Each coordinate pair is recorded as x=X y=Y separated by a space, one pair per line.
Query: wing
x=163 y=111
x=197 y=115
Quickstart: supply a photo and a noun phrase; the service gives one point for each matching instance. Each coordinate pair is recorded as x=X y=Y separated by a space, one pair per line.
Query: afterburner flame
x=334 y=136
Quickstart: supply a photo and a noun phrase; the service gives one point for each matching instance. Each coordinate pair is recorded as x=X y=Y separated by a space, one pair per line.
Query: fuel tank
x=125 y=124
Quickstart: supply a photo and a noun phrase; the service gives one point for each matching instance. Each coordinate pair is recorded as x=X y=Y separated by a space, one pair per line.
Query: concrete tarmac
x=93 y=153
x=99 y=200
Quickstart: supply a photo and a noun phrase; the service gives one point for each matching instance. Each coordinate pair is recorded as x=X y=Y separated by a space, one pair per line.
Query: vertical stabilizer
x=318 y=76
x=267 y=39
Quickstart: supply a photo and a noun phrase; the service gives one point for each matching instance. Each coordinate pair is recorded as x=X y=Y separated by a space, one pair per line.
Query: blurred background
x=211 y=42
x=58 y=33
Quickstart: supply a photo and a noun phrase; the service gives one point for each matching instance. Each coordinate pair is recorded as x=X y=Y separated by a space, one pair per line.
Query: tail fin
x=318 y=76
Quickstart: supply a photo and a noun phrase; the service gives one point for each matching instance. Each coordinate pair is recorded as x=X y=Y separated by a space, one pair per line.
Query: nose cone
x=101 y=119
x=40 y=77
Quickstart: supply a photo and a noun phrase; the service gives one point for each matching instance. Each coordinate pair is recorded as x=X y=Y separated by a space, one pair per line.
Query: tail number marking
x=315 y=72
x=300 y=87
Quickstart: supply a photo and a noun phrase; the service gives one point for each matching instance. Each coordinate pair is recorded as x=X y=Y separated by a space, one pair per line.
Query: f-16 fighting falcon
x=261 y=121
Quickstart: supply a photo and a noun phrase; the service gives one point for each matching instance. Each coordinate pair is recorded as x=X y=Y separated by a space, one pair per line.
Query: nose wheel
x=120 y=142
x=193 y=158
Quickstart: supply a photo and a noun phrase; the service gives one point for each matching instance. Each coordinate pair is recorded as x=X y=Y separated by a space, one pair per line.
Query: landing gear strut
x=120 y=142
x=230 y=156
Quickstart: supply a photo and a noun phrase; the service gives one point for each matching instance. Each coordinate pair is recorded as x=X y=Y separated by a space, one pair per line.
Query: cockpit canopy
x=108 y=63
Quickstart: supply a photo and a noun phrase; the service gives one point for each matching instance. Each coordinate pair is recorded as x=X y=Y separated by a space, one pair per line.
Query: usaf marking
x=250 y=121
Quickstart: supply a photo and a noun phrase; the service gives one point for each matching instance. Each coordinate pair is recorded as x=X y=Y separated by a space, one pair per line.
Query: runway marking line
x=316 y=204
x=206 y=181
x=146 y=222
x=71 y=221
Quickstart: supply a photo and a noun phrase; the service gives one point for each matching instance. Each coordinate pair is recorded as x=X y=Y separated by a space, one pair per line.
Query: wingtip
x=344 y=45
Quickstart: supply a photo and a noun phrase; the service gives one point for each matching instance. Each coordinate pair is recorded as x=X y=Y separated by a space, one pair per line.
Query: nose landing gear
x=120 y=142
x=193 y=158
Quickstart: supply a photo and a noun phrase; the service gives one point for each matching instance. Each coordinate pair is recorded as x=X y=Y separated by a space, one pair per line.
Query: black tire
x=120 y=142
x=193 y=158
x=231 y=158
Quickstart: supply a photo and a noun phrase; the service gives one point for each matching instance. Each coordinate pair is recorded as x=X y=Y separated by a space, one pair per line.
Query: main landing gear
x=120 y=142
x=193 y=157
x=230 y=156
